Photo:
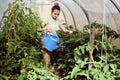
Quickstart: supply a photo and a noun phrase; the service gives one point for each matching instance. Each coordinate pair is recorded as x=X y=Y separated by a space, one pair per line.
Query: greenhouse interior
x=87 y=45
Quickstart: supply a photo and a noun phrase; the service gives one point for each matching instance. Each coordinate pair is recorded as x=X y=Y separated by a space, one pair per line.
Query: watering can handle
x=45 y=33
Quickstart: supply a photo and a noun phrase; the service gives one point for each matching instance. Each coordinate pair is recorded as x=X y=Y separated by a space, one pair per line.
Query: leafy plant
x=103 y=68
x=73 y=60
x=21 y=55
x=20 y=45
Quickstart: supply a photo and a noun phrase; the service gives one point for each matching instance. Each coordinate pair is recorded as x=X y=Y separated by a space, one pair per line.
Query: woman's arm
x=41 y=29
x=46 y=27
x=64 y=29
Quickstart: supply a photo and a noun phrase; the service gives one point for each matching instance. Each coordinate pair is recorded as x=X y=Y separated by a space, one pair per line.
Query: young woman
x=52 y=24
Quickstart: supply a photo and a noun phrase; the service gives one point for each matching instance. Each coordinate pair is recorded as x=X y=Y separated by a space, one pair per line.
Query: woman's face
x=55 y=14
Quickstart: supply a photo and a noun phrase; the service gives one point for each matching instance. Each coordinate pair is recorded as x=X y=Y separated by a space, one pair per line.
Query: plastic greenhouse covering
x=77 y=13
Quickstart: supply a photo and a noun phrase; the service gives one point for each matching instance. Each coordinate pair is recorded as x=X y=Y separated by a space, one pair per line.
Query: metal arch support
x=85 y=12
x=64 y=15
x=70 y=13
x=116 y=5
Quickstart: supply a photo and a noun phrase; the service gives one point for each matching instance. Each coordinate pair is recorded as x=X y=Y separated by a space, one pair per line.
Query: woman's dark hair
x=56 y=6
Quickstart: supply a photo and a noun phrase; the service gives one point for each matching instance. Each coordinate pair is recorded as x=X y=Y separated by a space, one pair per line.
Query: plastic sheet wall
x=77 y=13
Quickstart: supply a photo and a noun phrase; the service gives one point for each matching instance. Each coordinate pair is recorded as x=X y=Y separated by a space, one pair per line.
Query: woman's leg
x=46 y=58
x=57 y=72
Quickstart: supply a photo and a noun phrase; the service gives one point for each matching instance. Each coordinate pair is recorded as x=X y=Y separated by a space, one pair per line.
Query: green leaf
x=96 y=47
x=82 y=49
x=3 y=77
x=86 y=59
x=114 y=67
x=82 y=64
x=42 y=78
x=102 y=77
x=110 y=46
x=77 y=51
x=103 y=45
x=83 y=74
x=106 y=68
x=20 y=77
x=95 y=72
x=74 y=71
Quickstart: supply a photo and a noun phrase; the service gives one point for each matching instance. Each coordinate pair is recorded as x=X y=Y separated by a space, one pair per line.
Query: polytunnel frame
x=114 y=2
x=85 y=12
x=70 y=13
x=116 y=5
x=79 y=6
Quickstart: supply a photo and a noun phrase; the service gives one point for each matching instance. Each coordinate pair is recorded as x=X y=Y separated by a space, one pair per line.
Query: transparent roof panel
x=78 y=16
x=102 y=11
x=3 y=6
x=77 y=12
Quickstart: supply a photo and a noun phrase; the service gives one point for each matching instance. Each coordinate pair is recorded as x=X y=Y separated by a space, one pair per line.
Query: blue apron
x=50 y=41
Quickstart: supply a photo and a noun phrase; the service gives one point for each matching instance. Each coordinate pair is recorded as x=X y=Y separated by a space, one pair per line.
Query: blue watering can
x=50 y=41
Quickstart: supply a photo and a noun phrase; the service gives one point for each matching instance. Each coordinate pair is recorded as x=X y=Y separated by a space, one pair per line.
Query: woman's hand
x=39 y=29
x=70 y=32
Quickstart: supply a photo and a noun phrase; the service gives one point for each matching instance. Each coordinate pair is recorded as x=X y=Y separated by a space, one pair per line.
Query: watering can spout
x=57 y=47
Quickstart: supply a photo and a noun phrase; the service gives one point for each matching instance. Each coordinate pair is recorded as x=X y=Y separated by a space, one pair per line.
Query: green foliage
x=73 y=60
x=103 y=68
x=20 y=45
x=20 y=50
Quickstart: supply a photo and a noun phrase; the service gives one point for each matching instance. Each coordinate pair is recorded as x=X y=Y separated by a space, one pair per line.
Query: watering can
x=50 y=41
